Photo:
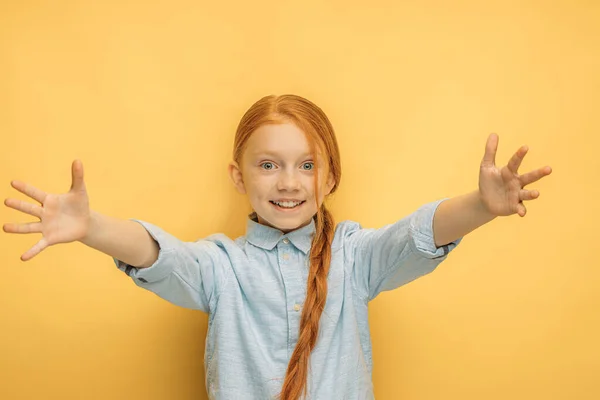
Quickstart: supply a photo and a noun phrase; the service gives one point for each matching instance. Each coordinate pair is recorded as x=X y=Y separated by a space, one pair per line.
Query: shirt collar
x=267 y=237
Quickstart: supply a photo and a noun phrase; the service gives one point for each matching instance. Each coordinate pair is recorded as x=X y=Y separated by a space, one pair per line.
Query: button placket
x=286 y=254
x=293 y=280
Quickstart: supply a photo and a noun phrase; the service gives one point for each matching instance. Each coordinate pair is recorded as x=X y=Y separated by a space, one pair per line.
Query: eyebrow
x=274 y=154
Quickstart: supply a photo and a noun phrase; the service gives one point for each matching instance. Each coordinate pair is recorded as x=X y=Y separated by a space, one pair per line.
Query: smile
x=284 y=208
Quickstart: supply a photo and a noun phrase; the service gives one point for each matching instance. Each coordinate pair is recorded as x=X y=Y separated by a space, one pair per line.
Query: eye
x=312 y=165
x=267 y=163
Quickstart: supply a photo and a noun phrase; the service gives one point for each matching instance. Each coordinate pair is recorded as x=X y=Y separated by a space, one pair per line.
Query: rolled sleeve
x=421 y=233
x=161 y=267
x=187 y=274
x=396 y=254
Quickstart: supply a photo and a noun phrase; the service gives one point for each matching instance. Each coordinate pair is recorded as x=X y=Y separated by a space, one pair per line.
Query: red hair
x=320 y=135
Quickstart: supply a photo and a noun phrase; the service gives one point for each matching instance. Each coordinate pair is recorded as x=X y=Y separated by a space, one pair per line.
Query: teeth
x=287 y=204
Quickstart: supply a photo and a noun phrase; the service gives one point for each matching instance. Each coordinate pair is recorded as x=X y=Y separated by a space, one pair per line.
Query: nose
x=288 y=180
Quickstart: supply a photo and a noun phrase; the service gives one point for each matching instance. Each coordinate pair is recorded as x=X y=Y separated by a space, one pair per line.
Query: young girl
x=287 y=302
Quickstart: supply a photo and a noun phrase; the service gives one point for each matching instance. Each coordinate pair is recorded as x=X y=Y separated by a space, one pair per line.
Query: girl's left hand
x=502 y=190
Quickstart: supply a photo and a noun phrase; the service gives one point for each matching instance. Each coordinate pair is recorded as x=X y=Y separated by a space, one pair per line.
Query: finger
x=525 y=195
x=521 y=209
x=515 y=161
x=27 y=208
x=35 y=250
x=29 y=190
x=31 y=227
x=77 y=175
x=534 y=176
x=491 y=147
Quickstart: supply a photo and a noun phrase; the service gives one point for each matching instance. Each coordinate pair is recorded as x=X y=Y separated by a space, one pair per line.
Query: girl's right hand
x=63 y=218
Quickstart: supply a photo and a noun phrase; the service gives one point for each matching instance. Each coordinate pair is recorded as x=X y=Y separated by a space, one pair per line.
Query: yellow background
x=148 y=96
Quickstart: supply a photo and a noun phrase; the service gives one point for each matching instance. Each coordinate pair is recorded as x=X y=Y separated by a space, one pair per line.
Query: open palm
x=502 y=189
x=63 y=218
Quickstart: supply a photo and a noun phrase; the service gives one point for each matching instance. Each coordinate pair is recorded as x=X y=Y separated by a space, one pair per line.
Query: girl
x=287 y=302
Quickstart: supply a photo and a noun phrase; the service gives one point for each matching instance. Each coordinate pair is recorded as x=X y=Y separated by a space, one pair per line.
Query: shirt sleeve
x=396 y=254
x=187 y=274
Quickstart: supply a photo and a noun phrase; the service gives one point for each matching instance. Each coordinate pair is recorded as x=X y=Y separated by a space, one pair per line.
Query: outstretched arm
x=66 y=217
x=501 y=193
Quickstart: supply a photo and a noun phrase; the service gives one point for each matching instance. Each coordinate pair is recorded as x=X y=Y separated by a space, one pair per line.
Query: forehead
x=278 y=139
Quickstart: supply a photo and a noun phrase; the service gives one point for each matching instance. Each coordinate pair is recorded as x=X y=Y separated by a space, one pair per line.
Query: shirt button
x=286 y=241
x=286 y=256
x=297 y=307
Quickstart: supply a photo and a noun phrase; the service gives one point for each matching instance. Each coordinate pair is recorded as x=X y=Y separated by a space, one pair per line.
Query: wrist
x=92 y=227
x=482 y=208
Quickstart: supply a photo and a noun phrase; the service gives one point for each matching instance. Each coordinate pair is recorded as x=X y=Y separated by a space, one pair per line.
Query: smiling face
x=277 y=167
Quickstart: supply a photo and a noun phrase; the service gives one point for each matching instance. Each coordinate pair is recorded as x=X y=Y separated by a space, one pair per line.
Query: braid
x=316 y=296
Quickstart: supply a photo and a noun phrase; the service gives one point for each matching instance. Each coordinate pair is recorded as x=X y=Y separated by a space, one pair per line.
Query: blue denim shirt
x=253 y=289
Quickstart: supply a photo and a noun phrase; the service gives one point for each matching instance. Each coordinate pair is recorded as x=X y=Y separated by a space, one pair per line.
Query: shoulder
x=218 y=246
x=347 y=226
x=345 y=233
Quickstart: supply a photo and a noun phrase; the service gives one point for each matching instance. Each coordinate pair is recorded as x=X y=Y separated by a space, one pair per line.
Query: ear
x=235 y=173
x=330 y=183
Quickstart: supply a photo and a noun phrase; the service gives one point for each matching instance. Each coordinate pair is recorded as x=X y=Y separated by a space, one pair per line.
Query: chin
x=285 y=224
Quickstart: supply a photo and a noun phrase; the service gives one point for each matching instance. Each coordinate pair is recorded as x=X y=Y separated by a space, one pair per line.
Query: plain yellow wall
x=148 y=96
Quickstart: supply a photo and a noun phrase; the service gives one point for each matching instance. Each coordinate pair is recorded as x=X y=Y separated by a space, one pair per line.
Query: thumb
x=77 y=176
x=491 y=147
x=35 y=250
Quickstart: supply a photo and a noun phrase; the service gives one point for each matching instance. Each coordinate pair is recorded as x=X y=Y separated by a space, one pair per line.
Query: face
x=277 y=167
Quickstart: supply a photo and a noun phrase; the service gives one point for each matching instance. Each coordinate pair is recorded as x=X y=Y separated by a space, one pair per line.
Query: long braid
x=316 y=296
